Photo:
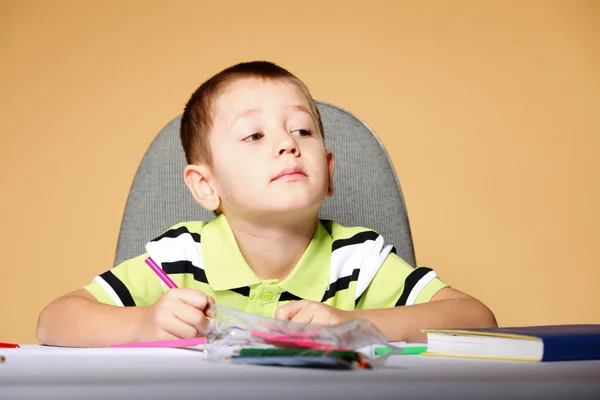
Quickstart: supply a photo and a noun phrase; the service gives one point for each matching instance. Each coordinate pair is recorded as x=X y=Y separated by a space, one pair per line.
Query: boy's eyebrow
x=243 y=114
x=299 y=107
x=248 y=112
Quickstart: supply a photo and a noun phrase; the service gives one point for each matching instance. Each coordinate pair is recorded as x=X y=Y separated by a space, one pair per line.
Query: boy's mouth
x=290 y=173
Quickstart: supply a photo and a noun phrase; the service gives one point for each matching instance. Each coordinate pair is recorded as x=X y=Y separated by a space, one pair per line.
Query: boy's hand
x=178 y=314
x=311 y=312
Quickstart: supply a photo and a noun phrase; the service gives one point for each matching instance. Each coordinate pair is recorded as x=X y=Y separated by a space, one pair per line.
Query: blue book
x=527 y=343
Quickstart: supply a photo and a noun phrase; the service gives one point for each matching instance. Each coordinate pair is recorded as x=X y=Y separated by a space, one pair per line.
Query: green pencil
x=405 y=350
x=262 y=352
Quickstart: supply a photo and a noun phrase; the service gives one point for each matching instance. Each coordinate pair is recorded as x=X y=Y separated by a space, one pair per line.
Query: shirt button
x=266 y=296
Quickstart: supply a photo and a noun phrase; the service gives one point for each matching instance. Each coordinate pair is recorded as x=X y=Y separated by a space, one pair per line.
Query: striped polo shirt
x=345 y=267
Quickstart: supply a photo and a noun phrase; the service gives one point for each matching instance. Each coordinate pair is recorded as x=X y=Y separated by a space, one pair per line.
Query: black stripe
x=393 y=250
x=287 y=296
x=356 y=239
x=340 y=284
x=173 y=233
x=185 y=267
x=358 y=299
x=244 y=291
x=410 y=282
x=327 y=224
x=119 y=288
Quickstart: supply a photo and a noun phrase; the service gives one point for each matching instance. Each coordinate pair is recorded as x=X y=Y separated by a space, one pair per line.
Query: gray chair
x=367 y=191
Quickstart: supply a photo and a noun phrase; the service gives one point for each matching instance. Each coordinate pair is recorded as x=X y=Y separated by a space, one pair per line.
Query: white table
x=106 y=374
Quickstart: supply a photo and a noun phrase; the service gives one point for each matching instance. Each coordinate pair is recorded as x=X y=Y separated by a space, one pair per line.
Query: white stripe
x=348 y=258
x=424 y=281
x=367 y=256
x=181 y=248
x=371 y=265
x=108 y=289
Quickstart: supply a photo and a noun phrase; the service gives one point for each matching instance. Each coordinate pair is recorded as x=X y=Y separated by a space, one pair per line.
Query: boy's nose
x=287 y=146
x=286 y=150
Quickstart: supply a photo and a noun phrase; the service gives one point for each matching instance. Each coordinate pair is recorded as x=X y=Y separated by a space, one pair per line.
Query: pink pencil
x=161 y=274
x=295 y=342
x=163 y=343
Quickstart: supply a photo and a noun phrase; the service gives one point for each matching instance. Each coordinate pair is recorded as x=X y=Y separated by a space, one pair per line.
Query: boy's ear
x=330 y=169
x=196 y=178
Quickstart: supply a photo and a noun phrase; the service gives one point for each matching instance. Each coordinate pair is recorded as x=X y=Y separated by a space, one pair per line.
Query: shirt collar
x=222 y=259
x=310 y=278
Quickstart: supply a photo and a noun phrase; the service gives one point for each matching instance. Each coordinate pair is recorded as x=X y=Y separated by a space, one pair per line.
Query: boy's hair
x=198 y=114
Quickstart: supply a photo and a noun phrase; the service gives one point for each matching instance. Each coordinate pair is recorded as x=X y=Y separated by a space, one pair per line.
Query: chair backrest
x=367 y=191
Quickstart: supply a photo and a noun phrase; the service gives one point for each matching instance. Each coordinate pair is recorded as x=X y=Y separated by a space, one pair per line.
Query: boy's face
x=268 y=156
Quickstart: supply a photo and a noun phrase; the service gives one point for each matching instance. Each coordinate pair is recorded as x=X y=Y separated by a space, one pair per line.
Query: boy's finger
x=289 y=310
x=202 y=327
x=180 y=329
x=303 y=317
x=193 y=297
x=191 y=316
x=208 y=310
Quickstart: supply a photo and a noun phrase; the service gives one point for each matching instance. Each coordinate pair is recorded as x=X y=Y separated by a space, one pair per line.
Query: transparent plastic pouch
x=232 y=330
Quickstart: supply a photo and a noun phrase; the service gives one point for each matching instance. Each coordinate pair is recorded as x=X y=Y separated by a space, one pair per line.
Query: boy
x=254 y=144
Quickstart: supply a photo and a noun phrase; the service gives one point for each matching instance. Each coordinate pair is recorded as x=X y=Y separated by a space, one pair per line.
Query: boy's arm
x=448 y=308
x=401 y=301
x=77 y=319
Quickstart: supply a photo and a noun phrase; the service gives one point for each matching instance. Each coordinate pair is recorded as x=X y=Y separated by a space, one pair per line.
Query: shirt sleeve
x=397 y=283
x=131 y=283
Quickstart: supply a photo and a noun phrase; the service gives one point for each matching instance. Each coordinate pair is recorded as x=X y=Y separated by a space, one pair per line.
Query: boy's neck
x=272 y=251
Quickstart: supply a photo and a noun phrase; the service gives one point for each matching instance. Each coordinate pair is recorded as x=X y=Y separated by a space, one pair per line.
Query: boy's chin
x=289 y=210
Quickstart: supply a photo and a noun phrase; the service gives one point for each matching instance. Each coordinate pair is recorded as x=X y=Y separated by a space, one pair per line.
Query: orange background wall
x=490 y=111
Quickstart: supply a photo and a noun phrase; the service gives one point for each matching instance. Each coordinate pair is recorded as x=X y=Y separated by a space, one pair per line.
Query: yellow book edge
x=479 y=357
x=493 y=334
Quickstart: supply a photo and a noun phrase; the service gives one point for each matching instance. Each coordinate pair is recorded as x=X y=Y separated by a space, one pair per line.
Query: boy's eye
x=253 y=138
x=301 y=132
